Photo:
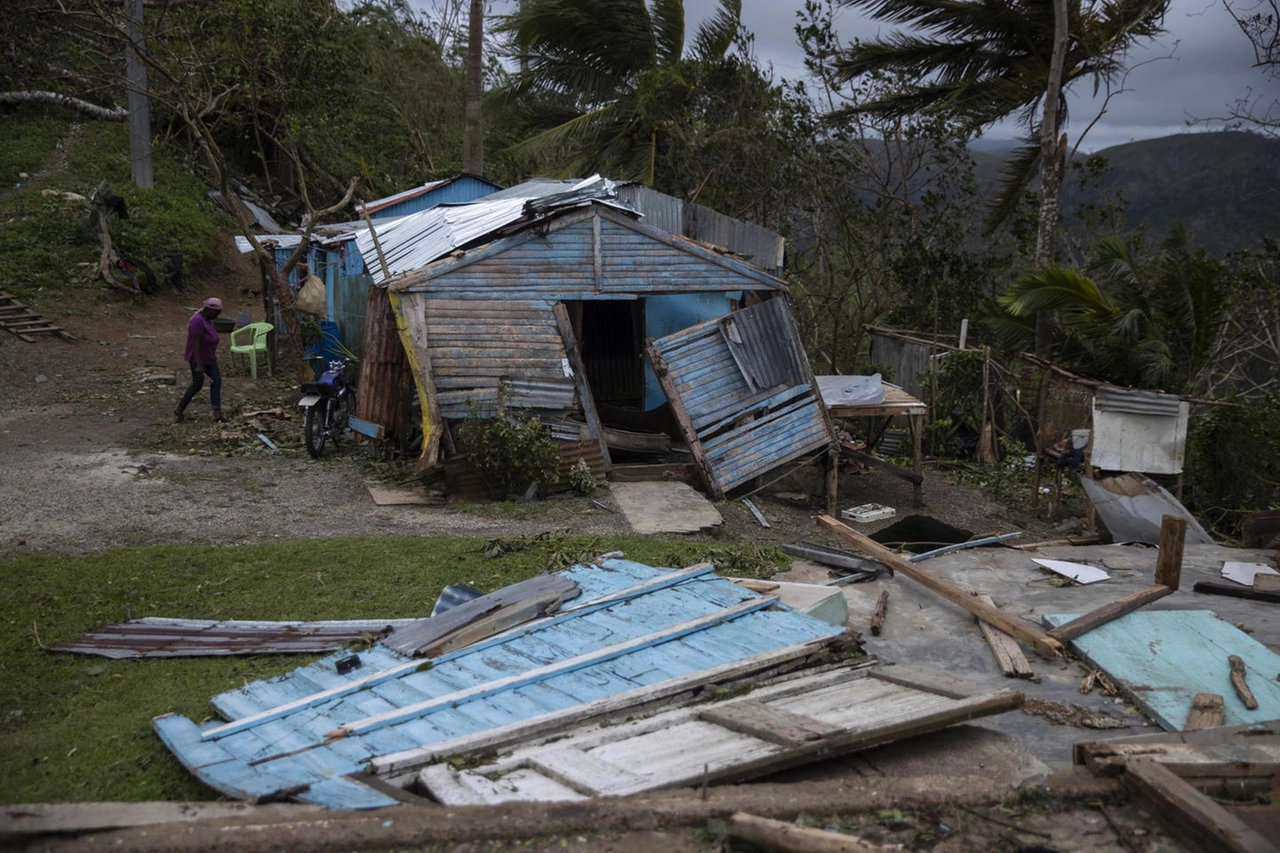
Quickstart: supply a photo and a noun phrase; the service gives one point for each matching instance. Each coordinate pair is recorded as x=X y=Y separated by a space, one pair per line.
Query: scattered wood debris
x=1061 y=714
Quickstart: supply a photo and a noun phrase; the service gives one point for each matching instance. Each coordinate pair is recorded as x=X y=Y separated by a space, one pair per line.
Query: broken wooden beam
x=1173 y=535
x=1239 y=684
x=1235 y=590
x=1008 y=654
x=1043 y=642
x=1203 y=821
x=882 y=610
x=1208 y=711
x=1068 y=631
x=786 y=837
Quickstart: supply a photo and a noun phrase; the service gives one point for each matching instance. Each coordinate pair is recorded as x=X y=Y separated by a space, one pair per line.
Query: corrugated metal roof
x=633 y=626
x=416 y=240
x=1136 y=402
x=373 y=207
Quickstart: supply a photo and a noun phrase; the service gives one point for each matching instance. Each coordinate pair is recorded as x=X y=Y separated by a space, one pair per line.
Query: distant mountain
x=1224 y=187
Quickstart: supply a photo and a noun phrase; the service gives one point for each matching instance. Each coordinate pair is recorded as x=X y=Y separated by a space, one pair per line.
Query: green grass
x=77 y=727
x=50 y=243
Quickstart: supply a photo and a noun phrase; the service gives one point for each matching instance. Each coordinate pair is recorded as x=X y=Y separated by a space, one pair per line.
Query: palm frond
x=716 y=35
x=667 y=23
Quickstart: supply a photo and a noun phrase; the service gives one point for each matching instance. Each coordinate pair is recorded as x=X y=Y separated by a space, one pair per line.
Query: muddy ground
x=91 y=458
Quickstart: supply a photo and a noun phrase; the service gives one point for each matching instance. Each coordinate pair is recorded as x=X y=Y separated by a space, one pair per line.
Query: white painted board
x=1243 y=573
x=1078 y=572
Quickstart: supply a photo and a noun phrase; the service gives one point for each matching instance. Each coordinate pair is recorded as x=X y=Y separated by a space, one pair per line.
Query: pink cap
x=213 y=302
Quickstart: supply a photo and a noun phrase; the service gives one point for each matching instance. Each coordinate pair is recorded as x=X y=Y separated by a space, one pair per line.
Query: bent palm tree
x=603 y=80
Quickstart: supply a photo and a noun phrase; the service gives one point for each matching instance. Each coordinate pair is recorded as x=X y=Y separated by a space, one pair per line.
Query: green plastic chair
x=256 y=335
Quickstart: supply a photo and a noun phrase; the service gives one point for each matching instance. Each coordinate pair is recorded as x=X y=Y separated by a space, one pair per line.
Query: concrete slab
x=663 y=507
x=385 y=495
x=925 y=630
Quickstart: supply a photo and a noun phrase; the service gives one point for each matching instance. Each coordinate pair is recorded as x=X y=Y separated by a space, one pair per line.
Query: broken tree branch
x=882 y=610
x=1068 y=631
x=789 y=838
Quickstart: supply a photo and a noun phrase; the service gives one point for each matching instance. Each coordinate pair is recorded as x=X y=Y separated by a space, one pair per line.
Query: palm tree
x=602 y=82
x=1149 y=323
x=983 y=61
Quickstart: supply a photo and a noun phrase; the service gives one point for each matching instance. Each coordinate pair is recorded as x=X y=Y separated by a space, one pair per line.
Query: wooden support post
x=833 y=479
x=1173 y=533
x=1068 y=631
x=1204 y=822
x=1238 y=682
x=882 y=610
x=917 y=460
x=1043 y=642
x=1207 y=712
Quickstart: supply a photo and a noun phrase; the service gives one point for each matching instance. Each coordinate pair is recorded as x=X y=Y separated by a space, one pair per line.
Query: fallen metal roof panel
x=635 y=626
x=159 y=637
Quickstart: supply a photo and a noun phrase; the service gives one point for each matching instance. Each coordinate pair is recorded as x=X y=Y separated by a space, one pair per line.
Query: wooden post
x=1043 y=643
x=1173 y=532
x=882 y=610
x=1068 y=631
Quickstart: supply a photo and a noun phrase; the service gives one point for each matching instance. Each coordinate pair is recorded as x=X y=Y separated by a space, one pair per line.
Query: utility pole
x=139 y=102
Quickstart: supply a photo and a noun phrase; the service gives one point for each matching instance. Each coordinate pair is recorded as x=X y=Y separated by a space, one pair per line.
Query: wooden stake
x=1241 y=686
x=882 y=610
x=1173 y=533
x=1043 y=643
x=1068 y=631
x=1207 y=712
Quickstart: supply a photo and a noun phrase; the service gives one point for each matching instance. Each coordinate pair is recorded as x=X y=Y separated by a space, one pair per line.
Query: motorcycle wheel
x=343 y=409
x=315 y=428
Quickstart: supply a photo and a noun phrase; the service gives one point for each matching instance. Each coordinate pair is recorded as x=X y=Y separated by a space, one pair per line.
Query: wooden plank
x=1207 y=712
x=663 y=372
x=1108 y=613
x=1240 y=684
x=409 y=712
x=516 y=613
x=409 y=639
x=776 y=725
x=455 y=789
x=45 y=818
x=1266 y=583
x=928 y=680
x=1206 y=822
x=786 y=837
x=1160 y=659
x=574 y=353
x=1008 y=654
x=582 y=771
x=527 y=730
x=1042 y=642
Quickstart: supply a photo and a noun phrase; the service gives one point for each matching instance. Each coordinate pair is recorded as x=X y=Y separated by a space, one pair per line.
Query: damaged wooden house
x=619 y=335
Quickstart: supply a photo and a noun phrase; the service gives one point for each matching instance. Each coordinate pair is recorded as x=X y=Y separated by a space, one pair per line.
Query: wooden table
x=897 y=402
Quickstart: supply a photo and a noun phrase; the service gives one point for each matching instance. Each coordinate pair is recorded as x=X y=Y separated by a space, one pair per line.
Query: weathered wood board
x=810 y=717
x=1161 y=659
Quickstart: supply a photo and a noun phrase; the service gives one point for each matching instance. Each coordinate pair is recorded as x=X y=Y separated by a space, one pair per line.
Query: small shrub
x=581 y=480
x=511 y=450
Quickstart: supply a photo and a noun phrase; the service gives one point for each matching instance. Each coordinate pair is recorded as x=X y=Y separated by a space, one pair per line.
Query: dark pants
x=197 y=382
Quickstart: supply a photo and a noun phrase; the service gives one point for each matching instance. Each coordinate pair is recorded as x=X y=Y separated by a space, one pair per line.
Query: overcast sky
x=1208 y=71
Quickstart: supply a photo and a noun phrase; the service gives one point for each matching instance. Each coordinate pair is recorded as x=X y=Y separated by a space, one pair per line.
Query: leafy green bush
x=1233 y=462
x=511 y=450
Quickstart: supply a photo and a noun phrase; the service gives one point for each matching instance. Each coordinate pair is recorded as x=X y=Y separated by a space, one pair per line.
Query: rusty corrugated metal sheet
x=759 y=246
x=158 y=637
x=385 y=377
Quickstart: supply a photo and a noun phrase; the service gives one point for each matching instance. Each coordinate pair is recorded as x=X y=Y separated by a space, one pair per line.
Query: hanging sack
x=311 y=298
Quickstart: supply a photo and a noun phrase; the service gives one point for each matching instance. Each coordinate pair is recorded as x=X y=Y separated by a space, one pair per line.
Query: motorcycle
x=329 y=403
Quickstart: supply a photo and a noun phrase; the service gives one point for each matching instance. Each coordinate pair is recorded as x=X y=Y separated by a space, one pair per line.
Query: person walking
x=202 y=356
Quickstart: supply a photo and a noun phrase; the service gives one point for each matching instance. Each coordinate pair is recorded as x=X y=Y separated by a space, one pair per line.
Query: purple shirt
x=200 y=332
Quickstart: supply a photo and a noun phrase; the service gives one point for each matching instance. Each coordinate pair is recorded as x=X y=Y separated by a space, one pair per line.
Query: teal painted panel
x=1162 y=658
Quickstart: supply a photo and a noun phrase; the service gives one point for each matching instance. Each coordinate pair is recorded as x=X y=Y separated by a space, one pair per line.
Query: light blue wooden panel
x=1163 y=658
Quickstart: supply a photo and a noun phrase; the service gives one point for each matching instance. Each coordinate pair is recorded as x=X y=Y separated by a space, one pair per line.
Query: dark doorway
x=612 y=338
